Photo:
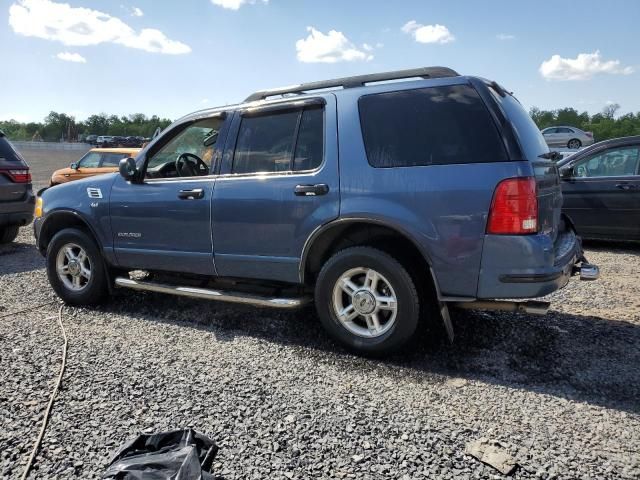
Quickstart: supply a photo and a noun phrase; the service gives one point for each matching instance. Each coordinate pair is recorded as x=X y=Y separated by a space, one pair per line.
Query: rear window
x=7 y=152
x=429 y=126
x=531 y=140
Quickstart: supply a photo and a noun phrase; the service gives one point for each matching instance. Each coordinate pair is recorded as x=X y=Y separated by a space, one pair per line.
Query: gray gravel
x=560 y=393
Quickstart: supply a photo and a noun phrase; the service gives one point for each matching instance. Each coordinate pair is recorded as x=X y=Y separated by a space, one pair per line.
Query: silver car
x=567 y=137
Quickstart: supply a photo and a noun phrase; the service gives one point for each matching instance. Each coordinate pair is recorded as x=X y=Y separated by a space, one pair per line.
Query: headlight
x=38 y=211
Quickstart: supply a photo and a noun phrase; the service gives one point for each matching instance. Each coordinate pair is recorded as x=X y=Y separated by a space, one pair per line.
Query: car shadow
x=581 y=358
x=19 y=257
x=613 y=246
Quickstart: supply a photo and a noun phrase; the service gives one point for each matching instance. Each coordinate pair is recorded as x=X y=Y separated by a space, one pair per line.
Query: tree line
x=58 y=127
x=62 y=127
x=604 y=125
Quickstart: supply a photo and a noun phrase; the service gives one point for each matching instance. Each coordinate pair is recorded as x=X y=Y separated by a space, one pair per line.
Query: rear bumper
x=527 y=266
x=18 y=213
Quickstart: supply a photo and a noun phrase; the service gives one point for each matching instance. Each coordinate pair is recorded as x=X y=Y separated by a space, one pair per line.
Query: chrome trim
x=589 y=272
x=210 y=294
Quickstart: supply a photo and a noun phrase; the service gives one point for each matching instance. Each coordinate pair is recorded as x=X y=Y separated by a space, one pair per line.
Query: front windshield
x=197 y=139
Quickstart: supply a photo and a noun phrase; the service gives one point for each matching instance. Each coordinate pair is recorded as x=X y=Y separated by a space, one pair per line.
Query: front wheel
x=367 y=301
x=574 y=144
x=75 y=268
x=8 y=233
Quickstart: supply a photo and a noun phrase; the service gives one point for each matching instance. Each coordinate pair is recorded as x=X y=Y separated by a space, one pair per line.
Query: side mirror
x=74 y=166
x=566 y=172
x=128 y=169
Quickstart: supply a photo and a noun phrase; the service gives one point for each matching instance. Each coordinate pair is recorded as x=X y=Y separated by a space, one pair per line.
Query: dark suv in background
x=384 y=201
x=16 y=195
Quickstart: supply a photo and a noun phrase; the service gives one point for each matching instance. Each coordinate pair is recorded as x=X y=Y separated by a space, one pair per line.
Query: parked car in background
x=90 y=139
x=104 y=141
x=567 y=137
x=601 y=189
x=95 y=162
x=17 y=200
x=386 y=197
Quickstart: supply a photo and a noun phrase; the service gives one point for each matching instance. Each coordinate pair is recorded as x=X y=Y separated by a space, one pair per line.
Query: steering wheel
x=190 y=165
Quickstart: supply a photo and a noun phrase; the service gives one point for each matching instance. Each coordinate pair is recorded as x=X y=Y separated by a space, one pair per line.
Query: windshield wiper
x=554 y=156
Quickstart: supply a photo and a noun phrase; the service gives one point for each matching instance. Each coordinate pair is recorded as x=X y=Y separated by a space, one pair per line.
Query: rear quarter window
x=429 y=126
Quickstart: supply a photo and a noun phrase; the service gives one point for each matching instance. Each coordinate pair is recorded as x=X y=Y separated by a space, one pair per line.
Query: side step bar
x=209 y=294
x=532 y=307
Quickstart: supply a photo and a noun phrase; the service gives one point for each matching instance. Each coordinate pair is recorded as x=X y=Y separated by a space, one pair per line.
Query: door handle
x=194 y=194
x=311 y=190
x=625 y=186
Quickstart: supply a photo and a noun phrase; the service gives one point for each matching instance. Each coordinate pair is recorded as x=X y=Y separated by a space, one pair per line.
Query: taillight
x=514 y=208
x=18 y=175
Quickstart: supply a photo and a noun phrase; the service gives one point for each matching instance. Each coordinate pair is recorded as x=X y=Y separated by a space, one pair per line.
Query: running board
x=209 y=294
x=530 y=306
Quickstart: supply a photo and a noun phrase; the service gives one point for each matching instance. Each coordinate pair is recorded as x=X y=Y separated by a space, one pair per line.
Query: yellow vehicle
x=96 y=161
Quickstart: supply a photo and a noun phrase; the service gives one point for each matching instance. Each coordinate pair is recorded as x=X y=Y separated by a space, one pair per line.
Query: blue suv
x=385 y=198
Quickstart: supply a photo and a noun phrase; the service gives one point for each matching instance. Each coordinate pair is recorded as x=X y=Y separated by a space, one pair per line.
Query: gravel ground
x=561 y=392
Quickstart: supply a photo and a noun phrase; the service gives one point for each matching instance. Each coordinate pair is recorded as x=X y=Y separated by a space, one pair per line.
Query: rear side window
x=90 y=160
x=429 y=126
x=112 y=159
x=280 y=142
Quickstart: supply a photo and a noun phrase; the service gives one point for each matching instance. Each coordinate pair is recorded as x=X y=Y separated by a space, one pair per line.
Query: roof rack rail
x=357 y=81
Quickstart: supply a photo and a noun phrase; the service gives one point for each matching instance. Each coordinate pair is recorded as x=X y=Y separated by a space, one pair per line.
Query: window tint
x=619 y=162
x=90 y=160
x=531 y=140
x=7 y=152
x=310 y=144
x=430 y=126
x=265 y=143
x=112 y=159
x=565 y=130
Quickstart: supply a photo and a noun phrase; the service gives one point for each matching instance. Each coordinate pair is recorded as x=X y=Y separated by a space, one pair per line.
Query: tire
x=87 y=290
x=574 y=144
x=8 y=233
x=391 y=329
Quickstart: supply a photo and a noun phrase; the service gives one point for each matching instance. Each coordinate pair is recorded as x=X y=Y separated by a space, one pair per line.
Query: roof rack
x=357 y=81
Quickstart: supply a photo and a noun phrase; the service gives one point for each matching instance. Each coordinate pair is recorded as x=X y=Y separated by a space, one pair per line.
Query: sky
x=170 y=58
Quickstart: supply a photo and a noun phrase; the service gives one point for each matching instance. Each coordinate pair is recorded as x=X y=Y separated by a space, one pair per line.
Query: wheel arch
x=59 y=220
x=343 y=233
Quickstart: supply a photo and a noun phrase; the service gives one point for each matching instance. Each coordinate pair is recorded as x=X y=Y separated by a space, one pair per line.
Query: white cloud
x=583 y=67
x=367 y=47
x=234 y=4
x=71 y=57
x=428 y=33
x=77 y=26
x=330 y=48
x=137 y=12
x=505 y=36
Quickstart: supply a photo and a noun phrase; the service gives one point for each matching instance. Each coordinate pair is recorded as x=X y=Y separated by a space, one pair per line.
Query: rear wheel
x=574 y=144
x=367 y=301
x=75 y=268
x=8 y=233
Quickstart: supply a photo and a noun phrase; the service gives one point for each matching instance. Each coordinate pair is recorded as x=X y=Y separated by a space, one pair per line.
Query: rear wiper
x=554 y=156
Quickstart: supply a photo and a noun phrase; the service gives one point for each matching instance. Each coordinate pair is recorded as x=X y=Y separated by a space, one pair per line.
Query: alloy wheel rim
x=73 y=267
x=365 y=302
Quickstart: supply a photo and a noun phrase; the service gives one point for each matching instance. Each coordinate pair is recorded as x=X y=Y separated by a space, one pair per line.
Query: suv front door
x=164 y=222
x=279 y=182
x=603 y=196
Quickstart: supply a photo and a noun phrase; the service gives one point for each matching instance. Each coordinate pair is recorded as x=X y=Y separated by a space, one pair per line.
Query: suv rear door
x=278 y=183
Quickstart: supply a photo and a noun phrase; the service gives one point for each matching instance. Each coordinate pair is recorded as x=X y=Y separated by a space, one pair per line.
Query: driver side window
x=619 y=162
x=189 y=153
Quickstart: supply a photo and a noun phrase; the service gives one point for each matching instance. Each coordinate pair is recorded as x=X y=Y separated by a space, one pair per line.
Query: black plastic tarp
x=177 y=455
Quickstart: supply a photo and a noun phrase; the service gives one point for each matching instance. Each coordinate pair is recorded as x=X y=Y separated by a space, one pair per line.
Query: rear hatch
x=549 y=190
x=15 y=180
